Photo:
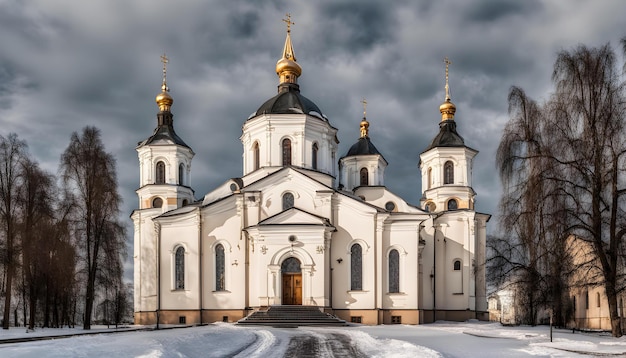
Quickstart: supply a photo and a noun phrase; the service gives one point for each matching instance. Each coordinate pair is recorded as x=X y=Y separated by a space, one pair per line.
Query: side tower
x=164 y=160
x=289 y=129
x=165 y=165
x=363 y=165
x=446 y=165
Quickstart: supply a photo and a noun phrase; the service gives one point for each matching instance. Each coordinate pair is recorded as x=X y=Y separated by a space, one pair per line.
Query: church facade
x=295 y=229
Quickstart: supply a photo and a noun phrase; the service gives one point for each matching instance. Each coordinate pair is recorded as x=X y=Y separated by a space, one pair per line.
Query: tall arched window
x=356 y=268
x=256 y=155
x=179 y=274
x=598 y=299
x=160 y=173
x=314 y=150
x=157 y=202
x=453 y=204
x=364 y=176
x=587 y=300
x=394 y=271
x=430 y=178
x=220 y=268
x=286 y=151
x=288 y=201
x=181 y=174
x=448 y=173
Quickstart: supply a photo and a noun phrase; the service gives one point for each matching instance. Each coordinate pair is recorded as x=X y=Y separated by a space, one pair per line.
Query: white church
x=296 y=229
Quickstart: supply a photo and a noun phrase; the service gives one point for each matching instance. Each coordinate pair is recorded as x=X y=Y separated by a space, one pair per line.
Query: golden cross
x=288 y=22
x=364 y=107
x=165 y=60
x=447 y=62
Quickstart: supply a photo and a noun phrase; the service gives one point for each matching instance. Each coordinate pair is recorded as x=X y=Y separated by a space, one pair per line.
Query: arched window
x=457 y=265
x=256 y=155
x=179 y=274
x=220 y=268
x=288 y=201
x=160 y=173
x=448 y=173
x=185 y=202
x=356 y=268
x=157 y=202
x=574 y=302
x=181 y=174
x=364 y=176
x=453 y=204
x=430 y=178
x=394 y=271
x=286 y=151
x=598 y=299
x=587 y=300
x=314 y=156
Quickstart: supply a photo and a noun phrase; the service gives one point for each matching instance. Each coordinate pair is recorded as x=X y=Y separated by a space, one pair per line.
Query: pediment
x=295 y=216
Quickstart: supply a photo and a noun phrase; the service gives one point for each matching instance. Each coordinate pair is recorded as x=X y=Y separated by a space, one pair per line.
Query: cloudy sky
x=66 y=64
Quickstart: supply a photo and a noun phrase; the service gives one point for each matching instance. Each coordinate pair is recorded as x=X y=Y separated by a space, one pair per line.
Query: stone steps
x=291 y=316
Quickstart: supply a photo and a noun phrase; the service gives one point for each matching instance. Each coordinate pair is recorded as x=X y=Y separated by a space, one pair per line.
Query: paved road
x=315 y=345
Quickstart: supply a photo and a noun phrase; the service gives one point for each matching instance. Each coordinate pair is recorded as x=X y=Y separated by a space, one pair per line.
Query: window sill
x=178 y=290
x=358 y=292
x=396 y=294
x=223 y=292
x=458 y=293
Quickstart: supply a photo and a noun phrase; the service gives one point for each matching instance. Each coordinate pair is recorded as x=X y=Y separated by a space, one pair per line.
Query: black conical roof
x=363 y=146
x=164 y=133
x=447 y=136
x=288 y=100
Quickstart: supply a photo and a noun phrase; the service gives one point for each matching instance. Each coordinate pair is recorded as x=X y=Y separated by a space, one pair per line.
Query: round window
x=390 y=206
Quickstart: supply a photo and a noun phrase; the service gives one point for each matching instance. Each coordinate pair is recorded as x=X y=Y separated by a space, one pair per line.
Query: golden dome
x=164 y=100
x=287 y=69
x=447 y=110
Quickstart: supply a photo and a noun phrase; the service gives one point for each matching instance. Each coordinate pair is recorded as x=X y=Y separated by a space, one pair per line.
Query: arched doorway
x=292 y=281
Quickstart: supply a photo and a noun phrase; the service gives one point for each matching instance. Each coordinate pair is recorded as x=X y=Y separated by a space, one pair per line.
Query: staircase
x=291 y=316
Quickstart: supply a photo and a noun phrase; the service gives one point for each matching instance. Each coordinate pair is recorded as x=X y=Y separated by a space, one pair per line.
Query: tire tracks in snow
x=316 y=344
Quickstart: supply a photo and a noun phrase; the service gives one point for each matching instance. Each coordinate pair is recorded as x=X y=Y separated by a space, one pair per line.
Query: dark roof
x=164 y=132
x=363 y=147
x=288 y=100
x=447 y=136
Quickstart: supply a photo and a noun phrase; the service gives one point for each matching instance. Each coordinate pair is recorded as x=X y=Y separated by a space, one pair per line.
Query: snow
x=440 y=339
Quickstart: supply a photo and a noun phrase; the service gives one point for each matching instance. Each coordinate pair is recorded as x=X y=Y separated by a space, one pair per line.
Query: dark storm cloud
x=68 y=64
x=490 y=11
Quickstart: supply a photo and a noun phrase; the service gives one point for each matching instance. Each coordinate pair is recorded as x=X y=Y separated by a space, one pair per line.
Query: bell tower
x=446 y=165
x=164 y=160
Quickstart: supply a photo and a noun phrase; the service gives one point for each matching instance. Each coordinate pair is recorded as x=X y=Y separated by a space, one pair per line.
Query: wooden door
x=292 y=289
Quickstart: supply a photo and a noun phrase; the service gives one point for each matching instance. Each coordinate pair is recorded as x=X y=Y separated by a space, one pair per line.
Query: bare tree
x=12 y=152
x=89 y=174
x=37 y=217
x=587 y=117
x=562 y=165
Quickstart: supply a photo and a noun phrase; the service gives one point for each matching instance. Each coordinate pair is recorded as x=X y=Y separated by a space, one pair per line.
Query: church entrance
x=292 y=281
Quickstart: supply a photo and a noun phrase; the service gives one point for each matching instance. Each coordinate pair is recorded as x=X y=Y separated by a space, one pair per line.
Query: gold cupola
x=447 y=108
x=364 y=125
x=163 y=99
x=287 y=69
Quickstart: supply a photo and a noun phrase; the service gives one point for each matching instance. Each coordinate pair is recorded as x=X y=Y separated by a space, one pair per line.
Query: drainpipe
x=158 y=268
x=200 y=276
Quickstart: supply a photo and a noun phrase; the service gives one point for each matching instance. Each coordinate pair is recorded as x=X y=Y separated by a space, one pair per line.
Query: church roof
x=447 y=136
x=289 y=100
x=363 y=146
x=164 y=134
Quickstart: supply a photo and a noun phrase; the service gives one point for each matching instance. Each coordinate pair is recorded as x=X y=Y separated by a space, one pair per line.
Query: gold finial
x=287 y=69
x=448 y=63
x=165 y=60
x=364 y=101
x=448 y=108
x=163 y=99
x=288 y=22
x=364 y=123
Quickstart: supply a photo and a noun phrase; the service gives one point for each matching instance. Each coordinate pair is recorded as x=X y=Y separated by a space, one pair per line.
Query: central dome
x=289 y=100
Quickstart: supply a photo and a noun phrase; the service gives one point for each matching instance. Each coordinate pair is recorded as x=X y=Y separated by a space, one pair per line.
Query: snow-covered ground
x=441 y=339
